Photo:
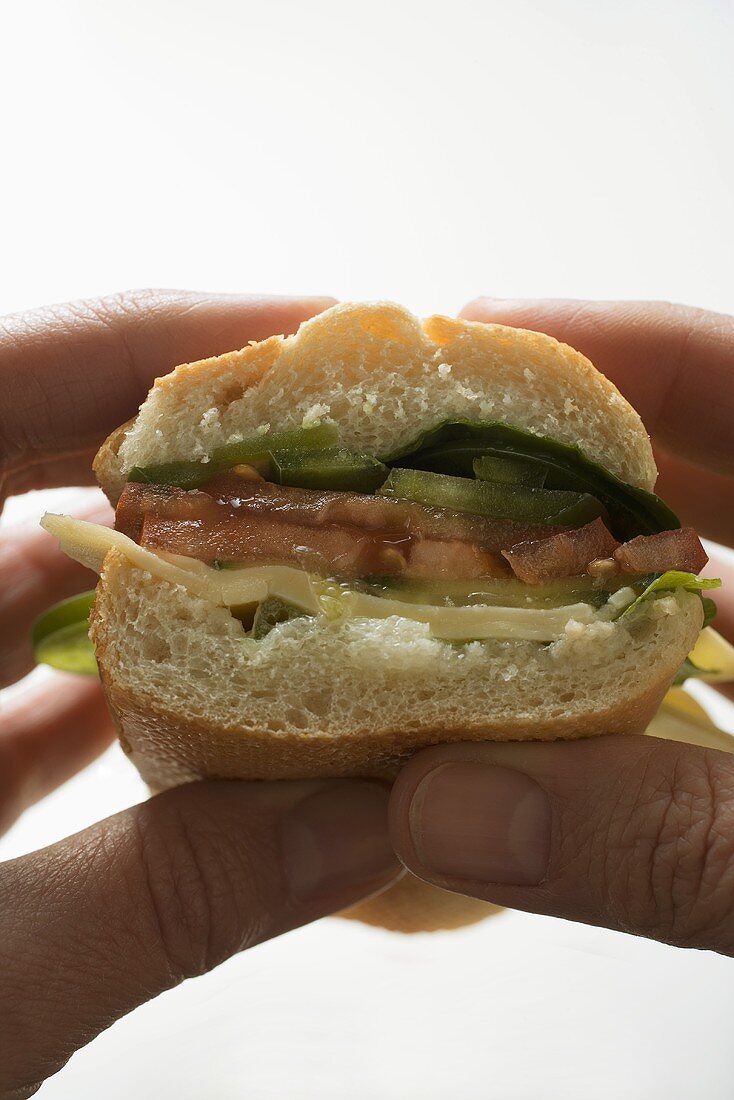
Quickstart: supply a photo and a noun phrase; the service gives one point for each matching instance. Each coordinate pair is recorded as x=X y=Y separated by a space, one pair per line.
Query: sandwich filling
x=468 y=515
x=480 y=531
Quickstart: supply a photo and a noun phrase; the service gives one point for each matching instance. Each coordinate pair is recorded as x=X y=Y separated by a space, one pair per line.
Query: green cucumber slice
x=494 y=592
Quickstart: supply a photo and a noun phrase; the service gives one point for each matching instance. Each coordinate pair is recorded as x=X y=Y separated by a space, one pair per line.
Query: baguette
x=194 y=697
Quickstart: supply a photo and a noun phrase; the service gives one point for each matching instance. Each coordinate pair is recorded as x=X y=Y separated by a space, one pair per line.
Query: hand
x=627 y=832
x=102 y=921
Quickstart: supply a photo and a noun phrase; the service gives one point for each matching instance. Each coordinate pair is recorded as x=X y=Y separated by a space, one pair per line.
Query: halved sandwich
x=375 y=535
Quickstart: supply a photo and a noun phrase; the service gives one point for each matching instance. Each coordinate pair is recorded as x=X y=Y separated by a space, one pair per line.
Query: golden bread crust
x=334 y=362
x=168 y=749
x=359 y=365
x=411 y=905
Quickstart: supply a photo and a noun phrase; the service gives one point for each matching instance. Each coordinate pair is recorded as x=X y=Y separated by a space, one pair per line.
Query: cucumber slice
x=509 y=471
x=60 y=637
x=494 y=592
x=522 y=504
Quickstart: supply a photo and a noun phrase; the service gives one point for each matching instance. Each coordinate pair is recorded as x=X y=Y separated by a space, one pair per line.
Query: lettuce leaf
x=674 y=580
x=452 y=446
x=709 y=610
x=60 y=636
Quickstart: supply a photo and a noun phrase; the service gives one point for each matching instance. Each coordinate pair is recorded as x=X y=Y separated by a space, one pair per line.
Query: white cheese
x=716 y=655
x=89 y=543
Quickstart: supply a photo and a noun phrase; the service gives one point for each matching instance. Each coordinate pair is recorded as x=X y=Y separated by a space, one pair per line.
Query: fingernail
x=483 y=823
x=336 y=839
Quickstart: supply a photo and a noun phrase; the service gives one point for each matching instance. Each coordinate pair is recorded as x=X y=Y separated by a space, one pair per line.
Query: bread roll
x=383 y=377
x=194 y=697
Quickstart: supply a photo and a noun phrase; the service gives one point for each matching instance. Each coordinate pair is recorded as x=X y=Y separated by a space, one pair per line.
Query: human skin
x=104 y=920
x=631 y=833
x=628 y=832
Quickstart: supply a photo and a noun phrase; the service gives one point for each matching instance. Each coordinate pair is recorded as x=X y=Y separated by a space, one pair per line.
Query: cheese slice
x=682 y=718
x=89 y=543
x=715 y=656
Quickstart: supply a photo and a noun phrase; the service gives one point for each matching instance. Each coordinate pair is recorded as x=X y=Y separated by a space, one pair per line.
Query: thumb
x=628 y=832
x=102 y=921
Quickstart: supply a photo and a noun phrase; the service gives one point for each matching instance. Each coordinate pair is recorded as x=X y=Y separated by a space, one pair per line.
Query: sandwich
x=336 y=548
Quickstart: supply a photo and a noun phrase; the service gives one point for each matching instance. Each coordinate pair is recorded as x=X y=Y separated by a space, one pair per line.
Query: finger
x=52 y=473
x=105 y=920
x=70 y=374
x=34 y=574
x=701 y=498
x=49 y=733
x=674 y=364
x=628 y=832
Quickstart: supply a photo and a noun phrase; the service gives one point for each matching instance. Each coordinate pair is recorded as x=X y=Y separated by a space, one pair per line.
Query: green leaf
x=60 y=637
x=671 y=581
x=452 y=446
x=709 y=611
x=509 y=471
x=689 y=671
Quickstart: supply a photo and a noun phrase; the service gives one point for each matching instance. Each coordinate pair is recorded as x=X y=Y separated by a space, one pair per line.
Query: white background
x=425 y=152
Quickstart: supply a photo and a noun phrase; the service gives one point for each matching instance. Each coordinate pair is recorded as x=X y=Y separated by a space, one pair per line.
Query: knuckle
x=190 y=875
x=667 y=856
